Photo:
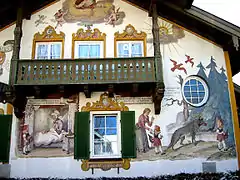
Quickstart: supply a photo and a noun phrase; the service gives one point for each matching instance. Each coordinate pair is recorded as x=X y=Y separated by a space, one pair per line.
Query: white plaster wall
x=134 y=16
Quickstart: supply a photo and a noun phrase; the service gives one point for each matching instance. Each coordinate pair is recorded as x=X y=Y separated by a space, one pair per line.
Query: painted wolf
x=190 y=128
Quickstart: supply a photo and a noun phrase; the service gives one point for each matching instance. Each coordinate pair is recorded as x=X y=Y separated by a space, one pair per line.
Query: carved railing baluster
x=86 y=71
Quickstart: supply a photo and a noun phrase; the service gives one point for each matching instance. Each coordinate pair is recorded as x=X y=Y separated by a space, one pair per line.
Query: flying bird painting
x=177 y=66
x=189 y=60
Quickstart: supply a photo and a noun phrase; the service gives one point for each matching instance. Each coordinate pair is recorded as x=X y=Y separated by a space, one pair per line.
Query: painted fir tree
x=201 y=71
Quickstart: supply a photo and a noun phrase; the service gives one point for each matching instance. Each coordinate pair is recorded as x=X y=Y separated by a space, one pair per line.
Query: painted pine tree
x=201 y=71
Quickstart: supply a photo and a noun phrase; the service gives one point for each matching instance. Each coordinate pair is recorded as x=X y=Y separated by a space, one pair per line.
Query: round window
x=195 y=91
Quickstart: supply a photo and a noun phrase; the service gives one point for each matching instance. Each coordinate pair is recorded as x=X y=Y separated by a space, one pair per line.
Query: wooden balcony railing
x=85 y=71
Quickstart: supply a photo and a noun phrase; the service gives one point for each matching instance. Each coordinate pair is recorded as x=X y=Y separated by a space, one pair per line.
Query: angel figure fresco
x=91 y=12
x=83 y=4
x=59 y=18
x=114 y=16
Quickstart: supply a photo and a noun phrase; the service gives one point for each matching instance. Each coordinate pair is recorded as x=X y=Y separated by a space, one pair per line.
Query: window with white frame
x=195 y=91
x=130 y=49
x=48 y=50
x=88 y=49
x=105 y=135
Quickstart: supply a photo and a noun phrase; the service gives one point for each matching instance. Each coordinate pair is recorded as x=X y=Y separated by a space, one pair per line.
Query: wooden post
x=158 y=94
x=16 y=46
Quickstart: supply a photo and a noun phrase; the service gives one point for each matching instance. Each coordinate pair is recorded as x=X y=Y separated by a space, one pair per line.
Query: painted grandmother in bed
x=54 y=135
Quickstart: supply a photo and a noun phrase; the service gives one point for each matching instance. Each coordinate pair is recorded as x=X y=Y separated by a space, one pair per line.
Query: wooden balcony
x=85 y=71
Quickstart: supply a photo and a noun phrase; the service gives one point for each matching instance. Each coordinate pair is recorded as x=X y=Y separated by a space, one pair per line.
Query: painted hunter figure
x=156 y=139
x=142 y=141
x=221 y=134
x=26 y=140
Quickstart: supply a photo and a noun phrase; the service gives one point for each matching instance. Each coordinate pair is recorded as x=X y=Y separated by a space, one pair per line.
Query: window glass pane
x=193 y=82
x=94 y=51
x=83 y=51
x=187 y=88
x=55 y=51
x=194 y=88
x=123 y=49
x=111 y=121
x=137 y=50
x=105 y=135
x=111 y=131
x=42 y=51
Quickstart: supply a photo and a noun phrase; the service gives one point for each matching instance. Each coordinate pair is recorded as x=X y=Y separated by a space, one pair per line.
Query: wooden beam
x=135 y=88
x=87 y=91
x=37 y=91
x=16 y=46
x=111 y=90
x=158 y=94
x=157 y=99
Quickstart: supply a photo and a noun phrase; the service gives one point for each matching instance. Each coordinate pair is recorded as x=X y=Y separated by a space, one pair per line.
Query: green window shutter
x=128 y=134
x=5 y=137
x=82 y=135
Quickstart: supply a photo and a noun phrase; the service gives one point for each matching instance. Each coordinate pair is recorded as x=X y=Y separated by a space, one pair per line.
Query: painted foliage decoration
x=41 y=20
x=89 y=12
x=5 y=62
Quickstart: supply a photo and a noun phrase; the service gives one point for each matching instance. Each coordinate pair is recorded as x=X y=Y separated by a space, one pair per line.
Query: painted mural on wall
x=48 y=128
x=89 y=12
x=4 y=61
x=198 y=132
x=168 y=33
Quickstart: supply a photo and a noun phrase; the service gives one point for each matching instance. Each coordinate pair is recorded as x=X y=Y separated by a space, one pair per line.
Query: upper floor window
x=88 y=44
x=48 y=45
x=130 y=43
x=130 y=49
x=48 y=50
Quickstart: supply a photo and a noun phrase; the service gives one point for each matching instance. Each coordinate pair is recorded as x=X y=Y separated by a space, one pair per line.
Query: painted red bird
x=190 y=60
x=177 y=66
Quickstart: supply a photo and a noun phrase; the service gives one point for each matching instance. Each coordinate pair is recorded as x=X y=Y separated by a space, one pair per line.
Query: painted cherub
x=59 y=18
x=156 y=139
x=221 y=134
x=112 y=19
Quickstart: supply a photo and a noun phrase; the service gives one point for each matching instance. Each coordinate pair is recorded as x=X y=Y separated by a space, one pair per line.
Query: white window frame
x=206 y=89
x=118 y=115
x=49 y=45
x=130 y=49
x=77 y=43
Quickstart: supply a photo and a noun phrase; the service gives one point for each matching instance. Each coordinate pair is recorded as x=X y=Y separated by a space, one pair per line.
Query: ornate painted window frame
x=89 y=35
x=130 y=34
x=105 y=104
x=48 y=35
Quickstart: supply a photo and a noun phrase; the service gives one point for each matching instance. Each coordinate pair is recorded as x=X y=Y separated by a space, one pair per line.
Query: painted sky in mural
x=89 y=12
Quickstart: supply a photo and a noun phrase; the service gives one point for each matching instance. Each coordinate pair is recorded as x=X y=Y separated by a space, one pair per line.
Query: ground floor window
x=105 y=135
